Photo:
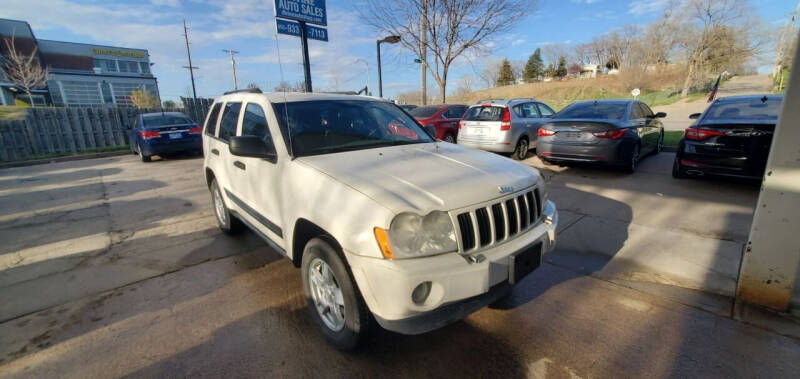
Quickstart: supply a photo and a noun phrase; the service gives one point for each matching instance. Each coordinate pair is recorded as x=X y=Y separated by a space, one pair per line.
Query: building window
x=55 y=93
x=122 y=92
x=145 y=67
x=81 y=94
x=128 y=66
x=106 y=65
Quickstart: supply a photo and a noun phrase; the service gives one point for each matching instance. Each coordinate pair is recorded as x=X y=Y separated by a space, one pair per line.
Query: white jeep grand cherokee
x=387 y=224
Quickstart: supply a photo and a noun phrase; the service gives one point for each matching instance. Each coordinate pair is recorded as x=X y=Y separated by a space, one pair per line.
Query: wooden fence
x=62 y=131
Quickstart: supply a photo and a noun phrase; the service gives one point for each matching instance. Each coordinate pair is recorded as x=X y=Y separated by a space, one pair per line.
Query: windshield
x=752 y=109
x=164 y=120
x=423 y=112
x=594 y=109
x=330 y=126
x=484 y=113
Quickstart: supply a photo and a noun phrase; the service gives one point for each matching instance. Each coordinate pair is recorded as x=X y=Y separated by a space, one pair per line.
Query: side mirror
x=694 y=116
x=251 y=146
x=660 y=115
x=430 y=130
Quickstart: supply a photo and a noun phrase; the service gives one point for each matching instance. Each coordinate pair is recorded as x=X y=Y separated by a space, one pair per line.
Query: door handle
x=215 y=151
x=239 y=165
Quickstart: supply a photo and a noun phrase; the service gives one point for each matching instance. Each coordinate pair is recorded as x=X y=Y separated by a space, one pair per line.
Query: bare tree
x=142 y=98
x=24 y=71
x=449 y=27
x=489 y=71
x=718 y=32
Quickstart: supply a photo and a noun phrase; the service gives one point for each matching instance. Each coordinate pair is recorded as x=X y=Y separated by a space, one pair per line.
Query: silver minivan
x=503 y=126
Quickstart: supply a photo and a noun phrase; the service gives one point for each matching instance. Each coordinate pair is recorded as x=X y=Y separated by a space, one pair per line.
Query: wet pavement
x=161 y=293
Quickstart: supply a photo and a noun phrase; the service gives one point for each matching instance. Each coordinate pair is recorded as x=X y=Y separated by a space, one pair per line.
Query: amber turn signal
x=383 y=243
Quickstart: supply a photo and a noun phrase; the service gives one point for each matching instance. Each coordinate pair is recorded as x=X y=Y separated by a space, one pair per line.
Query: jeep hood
x=424 y=177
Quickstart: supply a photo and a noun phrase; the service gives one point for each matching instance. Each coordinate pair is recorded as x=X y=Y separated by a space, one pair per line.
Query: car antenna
x=764 y=99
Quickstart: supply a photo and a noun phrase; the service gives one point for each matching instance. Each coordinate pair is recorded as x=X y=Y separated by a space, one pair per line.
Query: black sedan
x=731 y=138
x=612 y=132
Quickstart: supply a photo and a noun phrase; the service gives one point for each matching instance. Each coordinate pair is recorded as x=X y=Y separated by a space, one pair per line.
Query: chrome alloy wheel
x=219 y=207
x=327 y=295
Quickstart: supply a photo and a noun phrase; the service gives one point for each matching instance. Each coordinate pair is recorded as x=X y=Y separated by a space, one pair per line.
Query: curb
x=67 y=158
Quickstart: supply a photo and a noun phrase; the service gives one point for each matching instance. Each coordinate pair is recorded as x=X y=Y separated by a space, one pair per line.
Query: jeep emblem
x=505 y=189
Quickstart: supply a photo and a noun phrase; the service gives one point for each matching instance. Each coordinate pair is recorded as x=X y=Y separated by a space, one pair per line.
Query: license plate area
x=524 y=262
x=479 y=131
x=175 y=135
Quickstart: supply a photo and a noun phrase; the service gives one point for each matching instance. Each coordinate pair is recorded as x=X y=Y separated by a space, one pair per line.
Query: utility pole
x=423 y=48
x=233 y=64
x=189 y=55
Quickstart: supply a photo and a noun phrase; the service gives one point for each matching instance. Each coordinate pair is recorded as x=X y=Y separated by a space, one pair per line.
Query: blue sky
x=248 y=26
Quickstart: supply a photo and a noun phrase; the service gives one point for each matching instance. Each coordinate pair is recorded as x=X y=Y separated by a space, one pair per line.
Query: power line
x=233 y=64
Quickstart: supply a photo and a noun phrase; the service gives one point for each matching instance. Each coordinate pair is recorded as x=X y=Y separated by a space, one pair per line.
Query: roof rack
x=522 y=98
x=246 y=90
x=491 y=101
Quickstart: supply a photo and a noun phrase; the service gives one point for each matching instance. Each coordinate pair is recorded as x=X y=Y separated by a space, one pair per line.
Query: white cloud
x=517 y=42
x=641 y=7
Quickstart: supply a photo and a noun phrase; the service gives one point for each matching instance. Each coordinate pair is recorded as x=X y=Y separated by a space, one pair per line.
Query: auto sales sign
x=310 y=11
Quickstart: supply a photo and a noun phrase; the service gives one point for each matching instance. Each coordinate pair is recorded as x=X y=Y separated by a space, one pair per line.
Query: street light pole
x=389 y=39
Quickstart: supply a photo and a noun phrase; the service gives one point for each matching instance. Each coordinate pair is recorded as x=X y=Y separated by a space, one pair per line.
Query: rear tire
x=677 y=170
x=633 y=162
x=142 y=156
x=332 y=296
x=521 y=151
x=449 y=138
x=228 y=223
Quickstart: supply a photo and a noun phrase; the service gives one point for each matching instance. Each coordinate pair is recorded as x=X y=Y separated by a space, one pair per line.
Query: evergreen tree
x=561 y=71
x=505 y=76
x=534 y=68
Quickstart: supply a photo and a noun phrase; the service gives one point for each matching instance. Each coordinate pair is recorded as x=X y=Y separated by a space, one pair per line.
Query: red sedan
x=443 y=117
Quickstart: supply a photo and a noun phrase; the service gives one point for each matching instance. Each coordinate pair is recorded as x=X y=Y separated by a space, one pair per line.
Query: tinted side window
x=455 y=112
x=545 y=110
x=526 y=110
x=211 y=120
x=254 y=123
x=645 y=110
x=636 y=112
x=227 y=126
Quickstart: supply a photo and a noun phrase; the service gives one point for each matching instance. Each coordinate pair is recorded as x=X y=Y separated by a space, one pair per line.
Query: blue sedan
x=164 y=133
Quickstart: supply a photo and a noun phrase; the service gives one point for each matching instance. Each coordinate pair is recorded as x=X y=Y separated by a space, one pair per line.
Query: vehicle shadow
x=36 y=178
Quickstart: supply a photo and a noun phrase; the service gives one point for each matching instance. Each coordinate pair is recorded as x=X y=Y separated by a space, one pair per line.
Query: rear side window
x=484 y=113
x=545 y=110
x=254 y=123
x=211 y=120
x=526 y=110
x=227 y=126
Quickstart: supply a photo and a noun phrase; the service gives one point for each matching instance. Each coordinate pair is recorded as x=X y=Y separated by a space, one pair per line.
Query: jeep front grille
x=499 y=221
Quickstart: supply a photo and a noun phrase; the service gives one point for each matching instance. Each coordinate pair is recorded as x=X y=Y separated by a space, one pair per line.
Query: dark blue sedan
x=164 y=133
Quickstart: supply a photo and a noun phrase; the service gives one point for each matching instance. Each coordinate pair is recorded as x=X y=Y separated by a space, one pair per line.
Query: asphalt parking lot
x=111 y=267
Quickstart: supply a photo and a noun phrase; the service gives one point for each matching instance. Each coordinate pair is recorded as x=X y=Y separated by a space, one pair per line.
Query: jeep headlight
x=412 y=235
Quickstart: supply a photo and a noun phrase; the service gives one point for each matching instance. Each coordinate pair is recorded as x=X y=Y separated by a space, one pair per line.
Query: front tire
x=521 y=151
x=225 y=220
x=332 y=296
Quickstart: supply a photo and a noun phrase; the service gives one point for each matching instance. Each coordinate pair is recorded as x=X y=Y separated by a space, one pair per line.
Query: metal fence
x=62 y=131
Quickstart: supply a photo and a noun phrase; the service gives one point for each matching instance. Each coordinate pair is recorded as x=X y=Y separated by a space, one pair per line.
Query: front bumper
x=459 y=286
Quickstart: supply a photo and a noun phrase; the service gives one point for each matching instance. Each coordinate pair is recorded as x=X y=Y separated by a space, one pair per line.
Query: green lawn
x=672 y=137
